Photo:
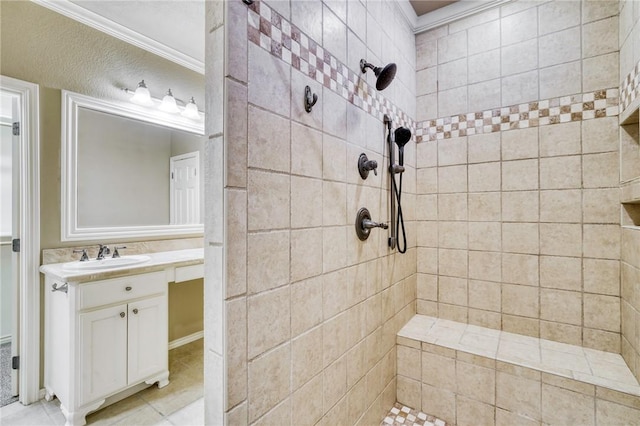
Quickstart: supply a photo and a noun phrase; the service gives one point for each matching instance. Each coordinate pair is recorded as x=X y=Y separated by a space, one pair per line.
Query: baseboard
x=186 y=339
x=5 y=339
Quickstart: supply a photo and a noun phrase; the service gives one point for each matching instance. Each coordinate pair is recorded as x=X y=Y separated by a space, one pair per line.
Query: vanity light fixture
x=191 y=110
x=142 y=96
x=169 y=103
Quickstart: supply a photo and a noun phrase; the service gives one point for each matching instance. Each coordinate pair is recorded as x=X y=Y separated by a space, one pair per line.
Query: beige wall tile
x=452 y=290
x=334 y=382
x=560 y=139
x=485 y=295
x=427 y=181
x=268 y=198
x=558 y=16
x=521 y=325
x=561 y=80
x=518 y=395
x=452 y=263
x=306 y=311
x=334 y=158
x=335 y=334
x=268 y=322
x=520 y=206
x=561 y=306
x=484 y=236
x=484 y=147
x=484 y=95
x=269 y=141
x=270 y=82
x=334 y=203
x=485 y=318
x=519 y=144
x=520 y=26
x=560 y=47
x=520 y=238
x=305 y=192
x=470 y=412
x=475 y=382
x=520 y=269
x=427 y=260
x=519 y=175
x=452 y=206
x=560 y=206
x=427 y=81
x=560 y=172
x=427 y=287
x=520 y=88
x=561 y=406
x=593 y=10
x=453 y=312
x=440 y=402
x=334 y=247
x=309 y=399
x=427 y=154
x=306 y=253
x=601 y=205
x=452 y=47
x=600 y=71
x=409 y=362
x=600 y=170
x=601 y=276
x=507 y=418
x=306 y=357
x=427 y=207
x=598 y=39
x=485 y=206
x=267 y=260
x=452 y=101
x=484 y=37
x=484 y=177
x=485 y=265
x=564 y=333
x=427 y=234
x=563 y=273
x=306 y=151
x=409 y=392
x=560 y=239
x=439 y=371
x=335 y=293
x=453 y=235
x=269 y=378
x=601 y=241
x=599 y=135
x=484 y=66
x=452 y=179
x=236 y=354
x=611 y=413
x=520 y=300
x=601 y=340
x=602 y=312
x=520 y=57
x=452 y=74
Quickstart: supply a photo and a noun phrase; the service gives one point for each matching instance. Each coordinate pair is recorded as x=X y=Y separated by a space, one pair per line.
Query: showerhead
x=402 y=135
x=384 y=75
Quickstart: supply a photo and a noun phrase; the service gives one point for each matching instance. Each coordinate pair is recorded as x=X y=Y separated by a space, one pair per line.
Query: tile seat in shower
x=457 y=371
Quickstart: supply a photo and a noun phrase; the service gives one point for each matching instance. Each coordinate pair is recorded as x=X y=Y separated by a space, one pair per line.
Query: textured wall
x=311 y=312
x=518 y=171
x=630 y=171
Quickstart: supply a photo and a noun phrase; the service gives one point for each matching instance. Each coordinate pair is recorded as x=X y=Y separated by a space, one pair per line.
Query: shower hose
x=397 y=189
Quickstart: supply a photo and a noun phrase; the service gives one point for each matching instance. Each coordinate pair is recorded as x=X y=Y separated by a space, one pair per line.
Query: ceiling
x=425 y=6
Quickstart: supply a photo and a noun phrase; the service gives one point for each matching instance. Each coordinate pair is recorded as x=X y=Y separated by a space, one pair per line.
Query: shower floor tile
x=401 y=415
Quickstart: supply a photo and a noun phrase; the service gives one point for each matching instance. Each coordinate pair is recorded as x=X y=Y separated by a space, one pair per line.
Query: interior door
x=185 y=189
x=148 y=337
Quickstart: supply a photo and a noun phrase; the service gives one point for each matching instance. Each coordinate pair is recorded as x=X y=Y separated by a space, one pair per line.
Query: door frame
x=29 y=259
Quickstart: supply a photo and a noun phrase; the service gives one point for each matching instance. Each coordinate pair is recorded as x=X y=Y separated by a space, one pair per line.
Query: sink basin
x=106 y=263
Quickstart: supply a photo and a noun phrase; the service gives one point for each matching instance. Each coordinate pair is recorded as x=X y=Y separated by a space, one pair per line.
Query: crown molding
x=453 y=12
x=100 y=23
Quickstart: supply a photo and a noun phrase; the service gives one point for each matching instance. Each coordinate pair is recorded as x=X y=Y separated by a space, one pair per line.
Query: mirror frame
x=70 y=231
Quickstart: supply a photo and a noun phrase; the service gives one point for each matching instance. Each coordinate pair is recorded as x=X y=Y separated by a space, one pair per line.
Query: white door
x=185 y=189
x=103 y=352
x=148 y=337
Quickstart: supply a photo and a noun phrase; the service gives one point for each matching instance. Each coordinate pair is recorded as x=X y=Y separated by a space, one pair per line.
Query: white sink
x=106 y=263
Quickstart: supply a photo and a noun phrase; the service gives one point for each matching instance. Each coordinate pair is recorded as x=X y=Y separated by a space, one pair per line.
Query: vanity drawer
x=115 y=290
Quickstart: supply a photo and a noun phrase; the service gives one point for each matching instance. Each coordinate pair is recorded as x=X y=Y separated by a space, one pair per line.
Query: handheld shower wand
x=401 y=137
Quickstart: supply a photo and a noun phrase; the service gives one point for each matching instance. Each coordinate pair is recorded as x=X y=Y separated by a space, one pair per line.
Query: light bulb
x=191 y=110
x=142 y=95
x=169 y=103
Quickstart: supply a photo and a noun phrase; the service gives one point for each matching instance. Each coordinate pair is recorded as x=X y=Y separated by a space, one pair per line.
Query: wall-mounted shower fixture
x=310 y=99
x=401 y=136
x=364 y=224
x=384 y=75
x=365 y=165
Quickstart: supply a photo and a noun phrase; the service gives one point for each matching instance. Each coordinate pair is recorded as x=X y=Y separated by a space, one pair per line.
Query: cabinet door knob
x=122 y=314
x=128 y=288
x=135 y=311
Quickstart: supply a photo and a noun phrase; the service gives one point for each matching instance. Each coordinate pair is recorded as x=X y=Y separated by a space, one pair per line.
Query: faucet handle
x=115 y=251
x=84 y=256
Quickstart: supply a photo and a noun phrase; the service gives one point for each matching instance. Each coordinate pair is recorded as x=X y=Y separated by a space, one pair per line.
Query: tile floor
x=575 y=362
x=401 y=415
x=180 y=403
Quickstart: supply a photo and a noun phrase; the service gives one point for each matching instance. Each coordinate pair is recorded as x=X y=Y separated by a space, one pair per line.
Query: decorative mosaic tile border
x=270 y=31
x=601 y=103
x=630 y=88
x=285 y=41
x=401 y=415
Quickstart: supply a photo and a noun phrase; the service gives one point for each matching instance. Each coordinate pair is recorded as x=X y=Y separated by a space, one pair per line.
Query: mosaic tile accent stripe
x=401 y=415
x=630 y=88
x=272 y=32
x=586 y=106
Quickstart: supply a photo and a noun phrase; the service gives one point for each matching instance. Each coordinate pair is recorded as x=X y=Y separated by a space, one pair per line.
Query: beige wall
x=629 y=172
x=186 y=308
x=520 y=225
x=311 y=312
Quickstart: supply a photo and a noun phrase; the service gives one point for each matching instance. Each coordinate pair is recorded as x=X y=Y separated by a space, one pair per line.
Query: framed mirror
x=129 y=171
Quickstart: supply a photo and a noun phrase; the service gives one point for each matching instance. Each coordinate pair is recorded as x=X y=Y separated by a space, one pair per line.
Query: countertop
x=157 y=262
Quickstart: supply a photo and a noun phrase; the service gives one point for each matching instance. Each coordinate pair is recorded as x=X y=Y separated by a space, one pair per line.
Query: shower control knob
x=365 y=165
x=364 y=224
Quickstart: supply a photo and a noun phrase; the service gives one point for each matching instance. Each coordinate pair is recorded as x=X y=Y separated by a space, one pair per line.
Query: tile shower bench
x=465 y=374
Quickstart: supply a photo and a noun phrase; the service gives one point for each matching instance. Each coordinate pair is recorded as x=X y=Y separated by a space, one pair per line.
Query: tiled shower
x=511 y=195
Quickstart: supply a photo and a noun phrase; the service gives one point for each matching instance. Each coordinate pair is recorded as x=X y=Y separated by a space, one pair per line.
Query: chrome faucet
x=104 y=250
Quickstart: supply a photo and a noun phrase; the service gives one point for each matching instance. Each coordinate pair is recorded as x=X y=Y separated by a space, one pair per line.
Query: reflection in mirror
x=129 y=172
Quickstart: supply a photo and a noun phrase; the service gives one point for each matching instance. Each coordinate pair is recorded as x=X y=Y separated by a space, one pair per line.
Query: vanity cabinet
x=104 y=337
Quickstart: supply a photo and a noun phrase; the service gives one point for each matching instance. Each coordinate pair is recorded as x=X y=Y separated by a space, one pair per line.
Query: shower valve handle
x=365 y=165
x=368 y=224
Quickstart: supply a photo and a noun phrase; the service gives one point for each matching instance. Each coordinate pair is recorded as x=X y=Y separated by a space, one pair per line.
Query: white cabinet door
x=103 y=352
x=148 y=337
